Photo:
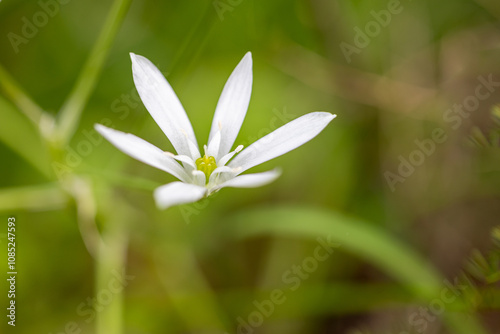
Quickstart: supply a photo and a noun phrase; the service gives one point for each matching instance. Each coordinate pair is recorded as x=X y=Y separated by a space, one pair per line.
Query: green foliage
x=202 y=267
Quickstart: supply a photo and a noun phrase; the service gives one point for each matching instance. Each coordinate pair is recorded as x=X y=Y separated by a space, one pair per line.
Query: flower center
x=206 y=164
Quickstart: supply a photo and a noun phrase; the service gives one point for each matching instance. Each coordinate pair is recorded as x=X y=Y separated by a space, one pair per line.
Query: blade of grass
x=72 y=108
x=355 y=236
x=358 y=237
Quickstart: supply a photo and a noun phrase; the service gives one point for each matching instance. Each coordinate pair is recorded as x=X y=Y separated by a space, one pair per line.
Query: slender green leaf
x=358 y=237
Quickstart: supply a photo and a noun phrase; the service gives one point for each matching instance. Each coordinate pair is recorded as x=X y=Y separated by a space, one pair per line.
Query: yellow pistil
x=206 y=164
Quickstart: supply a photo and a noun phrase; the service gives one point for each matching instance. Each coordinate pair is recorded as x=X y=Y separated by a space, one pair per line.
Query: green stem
x=75 y=103
x=81 y=191
x=111 y=281
x=109 y=251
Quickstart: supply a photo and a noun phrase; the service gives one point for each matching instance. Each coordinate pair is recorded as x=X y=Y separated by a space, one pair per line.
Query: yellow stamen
x=206 y=164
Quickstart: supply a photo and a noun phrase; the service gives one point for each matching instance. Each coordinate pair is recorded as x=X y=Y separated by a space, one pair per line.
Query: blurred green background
x=410 y=216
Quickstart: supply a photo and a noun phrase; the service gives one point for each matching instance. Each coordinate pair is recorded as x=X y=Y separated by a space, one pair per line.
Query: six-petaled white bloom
x=200 y=175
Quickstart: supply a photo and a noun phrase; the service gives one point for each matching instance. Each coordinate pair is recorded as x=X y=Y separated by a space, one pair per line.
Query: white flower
x=199 y=175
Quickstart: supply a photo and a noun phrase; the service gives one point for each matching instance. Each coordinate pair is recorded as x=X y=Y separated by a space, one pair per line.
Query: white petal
x=193 y=149
x=282 y=140
x=251 y=180
x=213 y=146
x=143 y=151
x=162 y=103
x=183 y=158
x=219 y=176
x=176 y=193
x=219 y=172
x=233 y=104
x=223 y=161
x=199 y=178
